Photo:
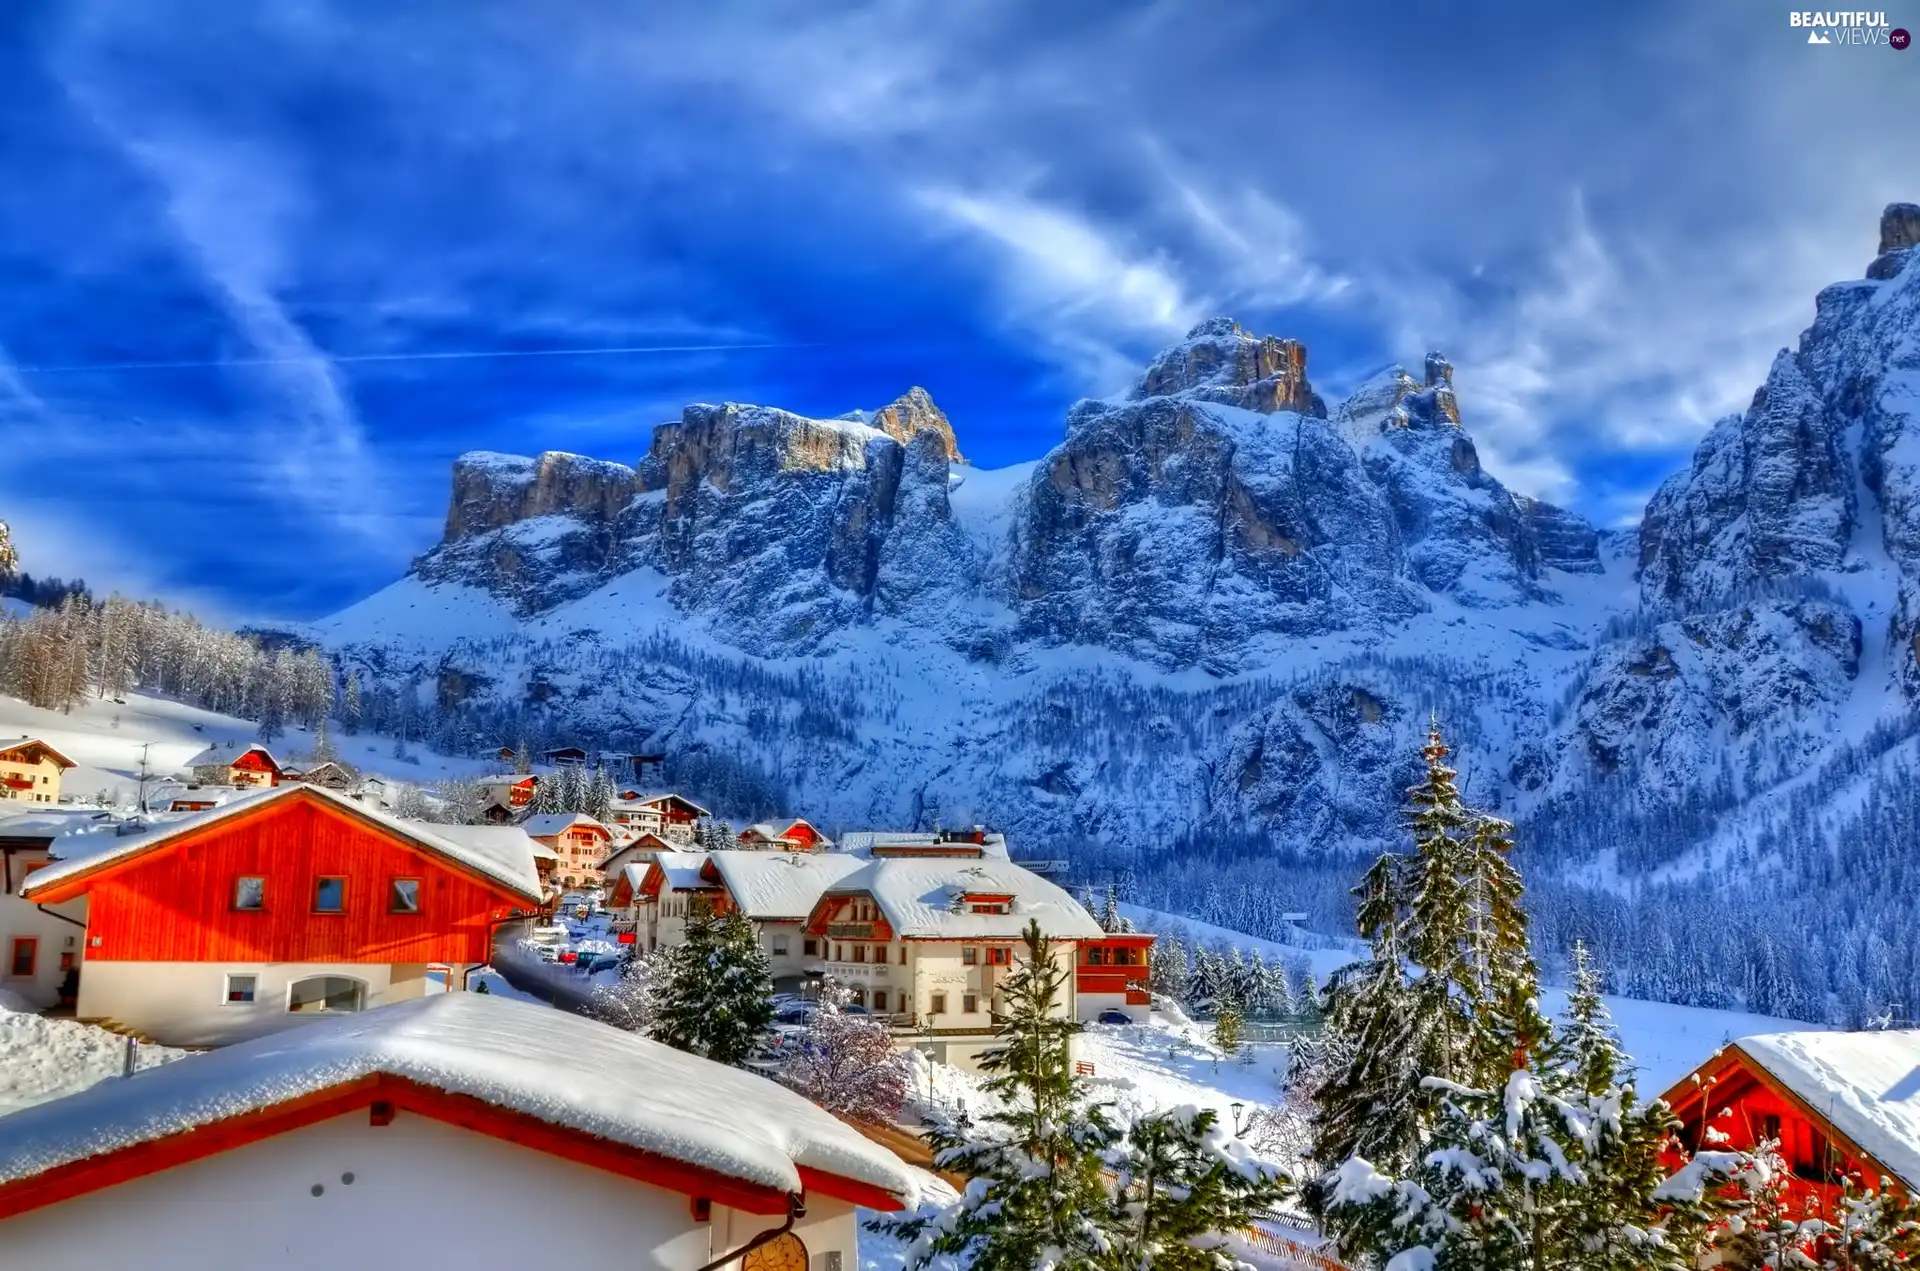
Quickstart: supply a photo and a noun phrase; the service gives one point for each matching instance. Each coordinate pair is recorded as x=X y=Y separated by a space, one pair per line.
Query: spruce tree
x=1056 y=1184
x=1179 y=1183
x=1169 y=969
x=1367 y=1100
x=718 y=997
x=1439 y=916
x=1037 y=1197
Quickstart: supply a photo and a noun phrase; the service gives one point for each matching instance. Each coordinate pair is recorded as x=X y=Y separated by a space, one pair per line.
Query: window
x=1770 y=1127
x=969 y=955
x=937 y=1005
x=330 y=896
x=828 y=1261
x=879 y=999
x=325 y=993
x=970 y=1003
x=405 y=896
x=241 y=989
x=780 y=947
x=999 y=957
x=249 y=893
x=859 y=953
x=22 y=956
x=903 y=955
x=839 y=953
x=810 y=947
x=66 y=961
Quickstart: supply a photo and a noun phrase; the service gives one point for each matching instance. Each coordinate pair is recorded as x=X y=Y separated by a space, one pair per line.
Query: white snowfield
x=925 y=899
x=564 y=1069
x=506 y=859
x=777 y=886
x=42 y=1059
x=1866 y=1084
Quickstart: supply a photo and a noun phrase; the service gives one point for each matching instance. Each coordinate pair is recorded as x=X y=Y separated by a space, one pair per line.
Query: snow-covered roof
x=862 y=842
x=765 y=829
x=50 y=822
x=548 y=824
x=775 y=886
x=226 y=753
x=503 y=841
x=661 y=796
x=682 y=870
x=924 y=899
x=26 y=743
x=1866 y=1084
x=564 y=1069
x=500 y=859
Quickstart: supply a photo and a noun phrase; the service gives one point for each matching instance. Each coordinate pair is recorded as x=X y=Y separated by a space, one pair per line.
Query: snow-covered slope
x=1218 y=613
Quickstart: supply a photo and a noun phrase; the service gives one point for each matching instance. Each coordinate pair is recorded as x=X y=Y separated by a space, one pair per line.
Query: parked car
x=591 y=962
x=1111 y=1016
x=795 y=1012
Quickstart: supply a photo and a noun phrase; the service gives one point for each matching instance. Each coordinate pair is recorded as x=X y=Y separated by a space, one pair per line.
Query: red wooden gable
x=833 y=916
x=176 y=902
x=256 y=761
x=1735 y=1096
x=34 y=750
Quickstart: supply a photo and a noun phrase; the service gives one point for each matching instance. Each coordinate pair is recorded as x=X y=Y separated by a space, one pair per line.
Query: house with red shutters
x=783 y=836
x=673 y=817
x=579 y=842
x=30 y=771
x=291 y=902
x=348 y=1143
x=507 y=795
x=40 y=945
x=1112 y=975
x=927 y=941
x=1835 y=1103
x=229 y=763
x=635 y=851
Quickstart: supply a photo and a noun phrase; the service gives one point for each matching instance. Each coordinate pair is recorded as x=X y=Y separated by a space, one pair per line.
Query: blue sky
x=1610 y=219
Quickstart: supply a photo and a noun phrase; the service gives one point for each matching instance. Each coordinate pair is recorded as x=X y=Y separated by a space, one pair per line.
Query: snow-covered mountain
x=1216 y=610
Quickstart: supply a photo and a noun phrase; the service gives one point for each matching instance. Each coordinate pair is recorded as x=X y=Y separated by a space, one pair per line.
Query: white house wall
x=23 y=918
x=184 y=1003
x=424 y=1195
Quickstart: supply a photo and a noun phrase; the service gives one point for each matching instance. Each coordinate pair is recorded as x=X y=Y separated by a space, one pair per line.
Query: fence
x=1275 y=1250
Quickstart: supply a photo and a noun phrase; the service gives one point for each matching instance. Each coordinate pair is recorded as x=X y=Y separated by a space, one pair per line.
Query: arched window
x=326 y=993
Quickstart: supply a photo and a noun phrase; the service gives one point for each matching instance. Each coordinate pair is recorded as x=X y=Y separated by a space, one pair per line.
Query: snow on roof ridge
x=1867 y=1084
x=525 y=882
x=562 y=1068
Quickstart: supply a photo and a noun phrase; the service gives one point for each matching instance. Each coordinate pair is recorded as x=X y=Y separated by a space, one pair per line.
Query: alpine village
x=311 y=959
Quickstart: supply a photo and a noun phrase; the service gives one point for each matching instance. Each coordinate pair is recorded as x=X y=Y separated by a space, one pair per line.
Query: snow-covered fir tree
x=1058 y=1184
x=716 y=998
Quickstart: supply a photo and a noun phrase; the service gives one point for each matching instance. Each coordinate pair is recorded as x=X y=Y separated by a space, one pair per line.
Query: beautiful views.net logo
x=1850 y=28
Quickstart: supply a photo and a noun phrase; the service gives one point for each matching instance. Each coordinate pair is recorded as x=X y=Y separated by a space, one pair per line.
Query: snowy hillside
x=106 y=739
x=1216 y=617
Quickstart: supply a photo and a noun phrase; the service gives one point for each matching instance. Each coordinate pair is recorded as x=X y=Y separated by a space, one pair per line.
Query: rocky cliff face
x=1218 y=606
x=1779 y=570
x=1213 y=508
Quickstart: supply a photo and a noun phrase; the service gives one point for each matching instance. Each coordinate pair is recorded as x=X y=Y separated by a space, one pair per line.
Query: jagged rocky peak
x=1395 y=399
x=913 y=413
x=1899 y=235
x=1220 y=362
x=493 y=490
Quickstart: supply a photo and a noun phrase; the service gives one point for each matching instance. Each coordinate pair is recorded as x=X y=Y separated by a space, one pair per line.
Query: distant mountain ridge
x=1219 y=609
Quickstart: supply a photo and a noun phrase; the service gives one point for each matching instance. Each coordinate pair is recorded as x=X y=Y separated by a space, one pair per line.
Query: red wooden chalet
x=1836 y=1103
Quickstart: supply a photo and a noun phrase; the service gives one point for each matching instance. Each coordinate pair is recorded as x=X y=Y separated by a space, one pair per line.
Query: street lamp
x=1238 y=1108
